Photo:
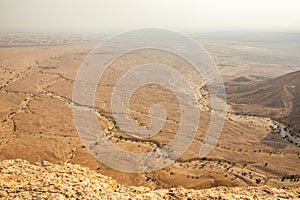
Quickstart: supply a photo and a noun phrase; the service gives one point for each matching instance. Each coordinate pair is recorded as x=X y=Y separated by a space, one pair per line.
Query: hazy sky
x=203 y=15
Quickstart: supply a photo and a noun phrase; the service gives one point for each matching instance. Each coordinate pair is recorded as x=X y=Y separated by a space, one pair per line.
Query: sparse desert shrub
x=258 y=180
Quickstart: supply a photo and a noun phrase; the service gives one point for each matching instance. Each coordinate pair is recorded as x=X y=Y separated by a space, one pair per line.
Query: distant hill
x=277 y=98
x=241 y=79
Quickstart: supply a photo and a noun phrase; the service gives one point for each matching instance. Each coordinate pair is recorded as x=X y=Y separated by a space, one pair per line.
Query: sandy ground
x=37 y=123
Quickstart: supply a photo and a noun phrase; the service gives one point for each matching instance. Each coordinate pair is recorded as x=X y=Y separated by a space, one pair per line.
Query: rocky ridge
x=21 y=180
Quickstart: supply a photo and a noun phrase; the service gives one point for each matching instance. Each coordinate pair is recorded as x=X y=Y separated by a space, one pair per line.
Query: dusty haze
x=118 y=15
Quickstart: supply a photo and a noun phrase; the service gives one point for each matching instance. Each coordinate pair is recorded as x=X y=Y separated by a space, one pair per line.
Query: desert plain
x=259 y=143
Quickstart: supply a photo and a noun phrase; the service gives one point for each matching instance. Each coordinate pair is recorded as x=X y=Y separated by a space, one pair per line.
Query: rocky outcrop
x=21 y=180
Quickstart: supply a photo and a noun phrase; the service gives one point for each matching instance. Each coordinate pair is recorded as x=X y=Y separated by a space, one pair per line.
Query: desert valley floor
x=259 y=144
